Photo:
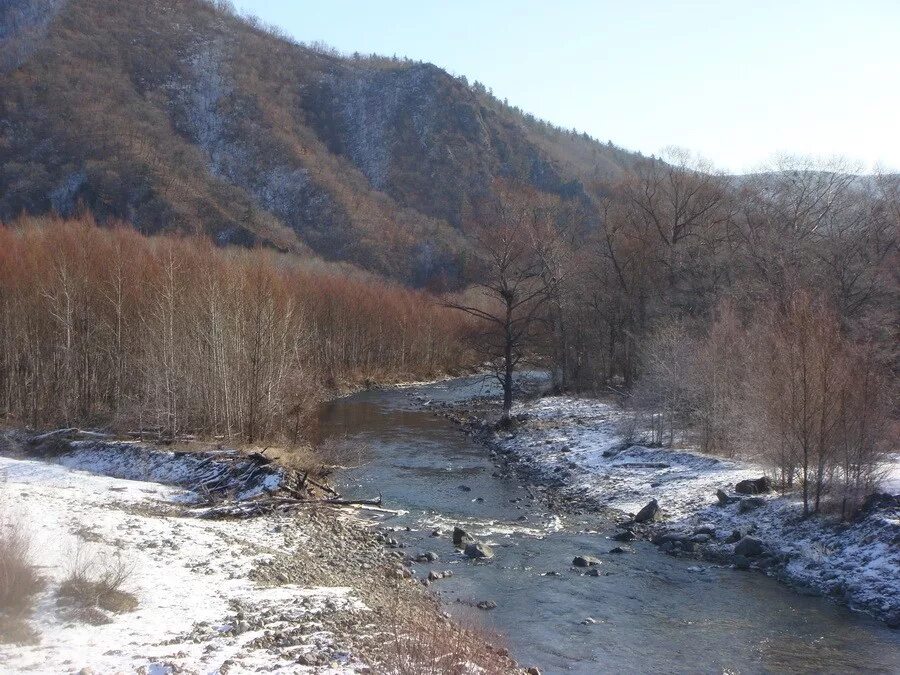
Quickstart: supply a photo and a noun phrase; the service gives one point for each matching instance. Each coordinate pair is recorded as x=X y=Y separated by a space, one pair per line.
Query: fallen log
x=260 y=507
x=321 y=486
x=338 y=501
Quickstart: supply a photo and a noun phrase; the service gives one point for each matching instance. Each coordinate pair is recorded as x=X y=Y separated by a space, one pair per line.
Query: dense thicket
x=752 y=315
x=106 y=326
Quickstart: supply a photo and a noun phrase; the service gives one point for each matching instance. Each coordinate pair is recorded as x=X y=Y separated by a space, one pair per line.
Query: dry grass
x=321 y=460
x=19 y=582
x=420 y=641
x=94 y=583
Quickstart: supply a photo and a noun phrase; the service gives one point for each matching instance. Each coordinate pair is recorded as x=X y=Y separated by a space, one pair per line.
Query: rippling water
x=652 y=613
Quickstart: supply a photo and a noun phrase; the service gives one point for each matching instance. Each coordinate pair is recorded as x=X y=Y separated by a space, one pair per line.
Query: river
x=649 y=613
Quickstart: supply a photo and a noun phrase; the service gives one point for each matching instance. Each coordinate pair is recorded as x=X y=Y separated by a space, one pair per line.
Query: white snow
x=188 y=576
x=566 y=437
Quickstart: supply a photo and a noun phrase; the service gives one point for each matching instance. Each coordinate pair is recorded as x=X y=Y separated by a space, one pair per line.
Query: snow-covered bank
x=314 y=589
x=575 y=444
x=199 y=607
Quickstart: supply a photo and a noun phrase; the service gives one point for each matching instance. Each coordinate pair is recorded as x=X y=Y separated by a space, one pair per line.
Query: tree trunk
x=507 y=382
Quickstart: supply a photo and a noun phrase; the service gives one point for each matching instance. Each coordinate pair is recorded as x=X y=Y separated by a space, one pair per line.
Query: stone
x=437 y=533
x=749 y=547
x=706 y=529
x=741 y=562
x=486 y=604
x=755 y=486
x=700 y=538
x=621 y=549
x=461 y=537
x=624 y=535
x=465 y=488
x=750 y=503
x=724 y=499
x=478 y=550
x=428 y=556
x=588 y=621
x=593 y=572
x=649 y=513
x=734 y=537
x=585 y=561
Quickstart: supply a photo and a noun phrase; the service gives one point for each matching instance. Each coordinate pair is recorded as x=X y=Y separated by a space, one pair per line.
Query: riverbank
x=573 y=448
x=313 y=590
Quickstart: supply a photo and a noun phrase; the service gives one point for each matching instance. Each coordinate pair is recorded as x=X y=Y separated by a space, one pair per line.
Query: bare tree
x=511 y=292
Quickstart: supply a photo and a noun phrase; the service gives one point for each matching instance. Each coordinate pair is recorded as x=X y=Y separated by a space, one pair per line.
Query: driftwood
x=264 y=506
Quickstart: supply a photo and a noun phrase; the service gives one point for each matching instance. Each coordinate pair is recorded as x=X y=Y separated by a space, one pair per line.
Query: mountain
x=176 y=115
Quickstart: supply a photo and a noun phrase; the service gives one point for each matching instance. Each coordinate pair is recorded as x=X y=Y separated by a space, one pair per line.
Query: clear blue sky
x=737 y=82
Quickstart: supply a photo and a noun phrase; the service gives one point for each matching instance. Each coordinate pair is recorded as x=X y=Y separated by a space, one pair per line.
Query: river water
x=652 y=613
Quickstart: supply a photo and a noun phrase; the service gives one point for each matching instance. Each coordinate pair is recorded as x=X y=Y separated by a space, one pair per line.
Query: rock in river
x=624 y=535
x=478 y=550
x=621 y=549
x=585 y=561
x=648 y=513
x=428 y=556
x=461 y=537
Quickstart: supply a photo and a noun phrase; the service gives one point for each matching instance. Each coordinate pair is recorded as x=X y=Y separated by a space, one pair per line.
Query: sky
x=738 y=83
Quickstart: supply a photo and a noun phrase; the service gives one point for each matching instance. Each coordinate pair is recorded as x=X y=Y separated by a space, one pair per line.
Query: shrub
x=95 y=583
x=19 y=582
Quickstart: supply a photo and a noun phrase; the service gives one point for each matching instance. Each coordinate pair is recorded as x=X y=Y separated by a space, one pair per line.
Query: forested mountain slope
x=175 y=115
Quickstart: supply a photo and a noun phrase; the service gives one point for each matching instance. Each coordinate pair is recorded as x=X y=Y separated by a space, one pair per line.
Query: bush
x=95 y=583
x=19 y=582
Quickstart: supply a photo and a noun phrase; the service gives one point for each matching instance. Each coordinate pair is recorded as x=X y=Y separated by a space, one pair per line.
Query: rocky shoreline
x=715 y=511
x=315 y=590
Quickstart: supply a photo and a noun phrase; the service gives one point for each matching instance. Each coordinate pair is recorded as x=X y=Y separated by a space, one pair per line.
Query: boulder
x=585 y=561
x=648 y=513
x=749 y=547
x=478 y=550
x=593 y=572
x=750 y=503
x=461 y=537
x=624 y=535
x=755 y=486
